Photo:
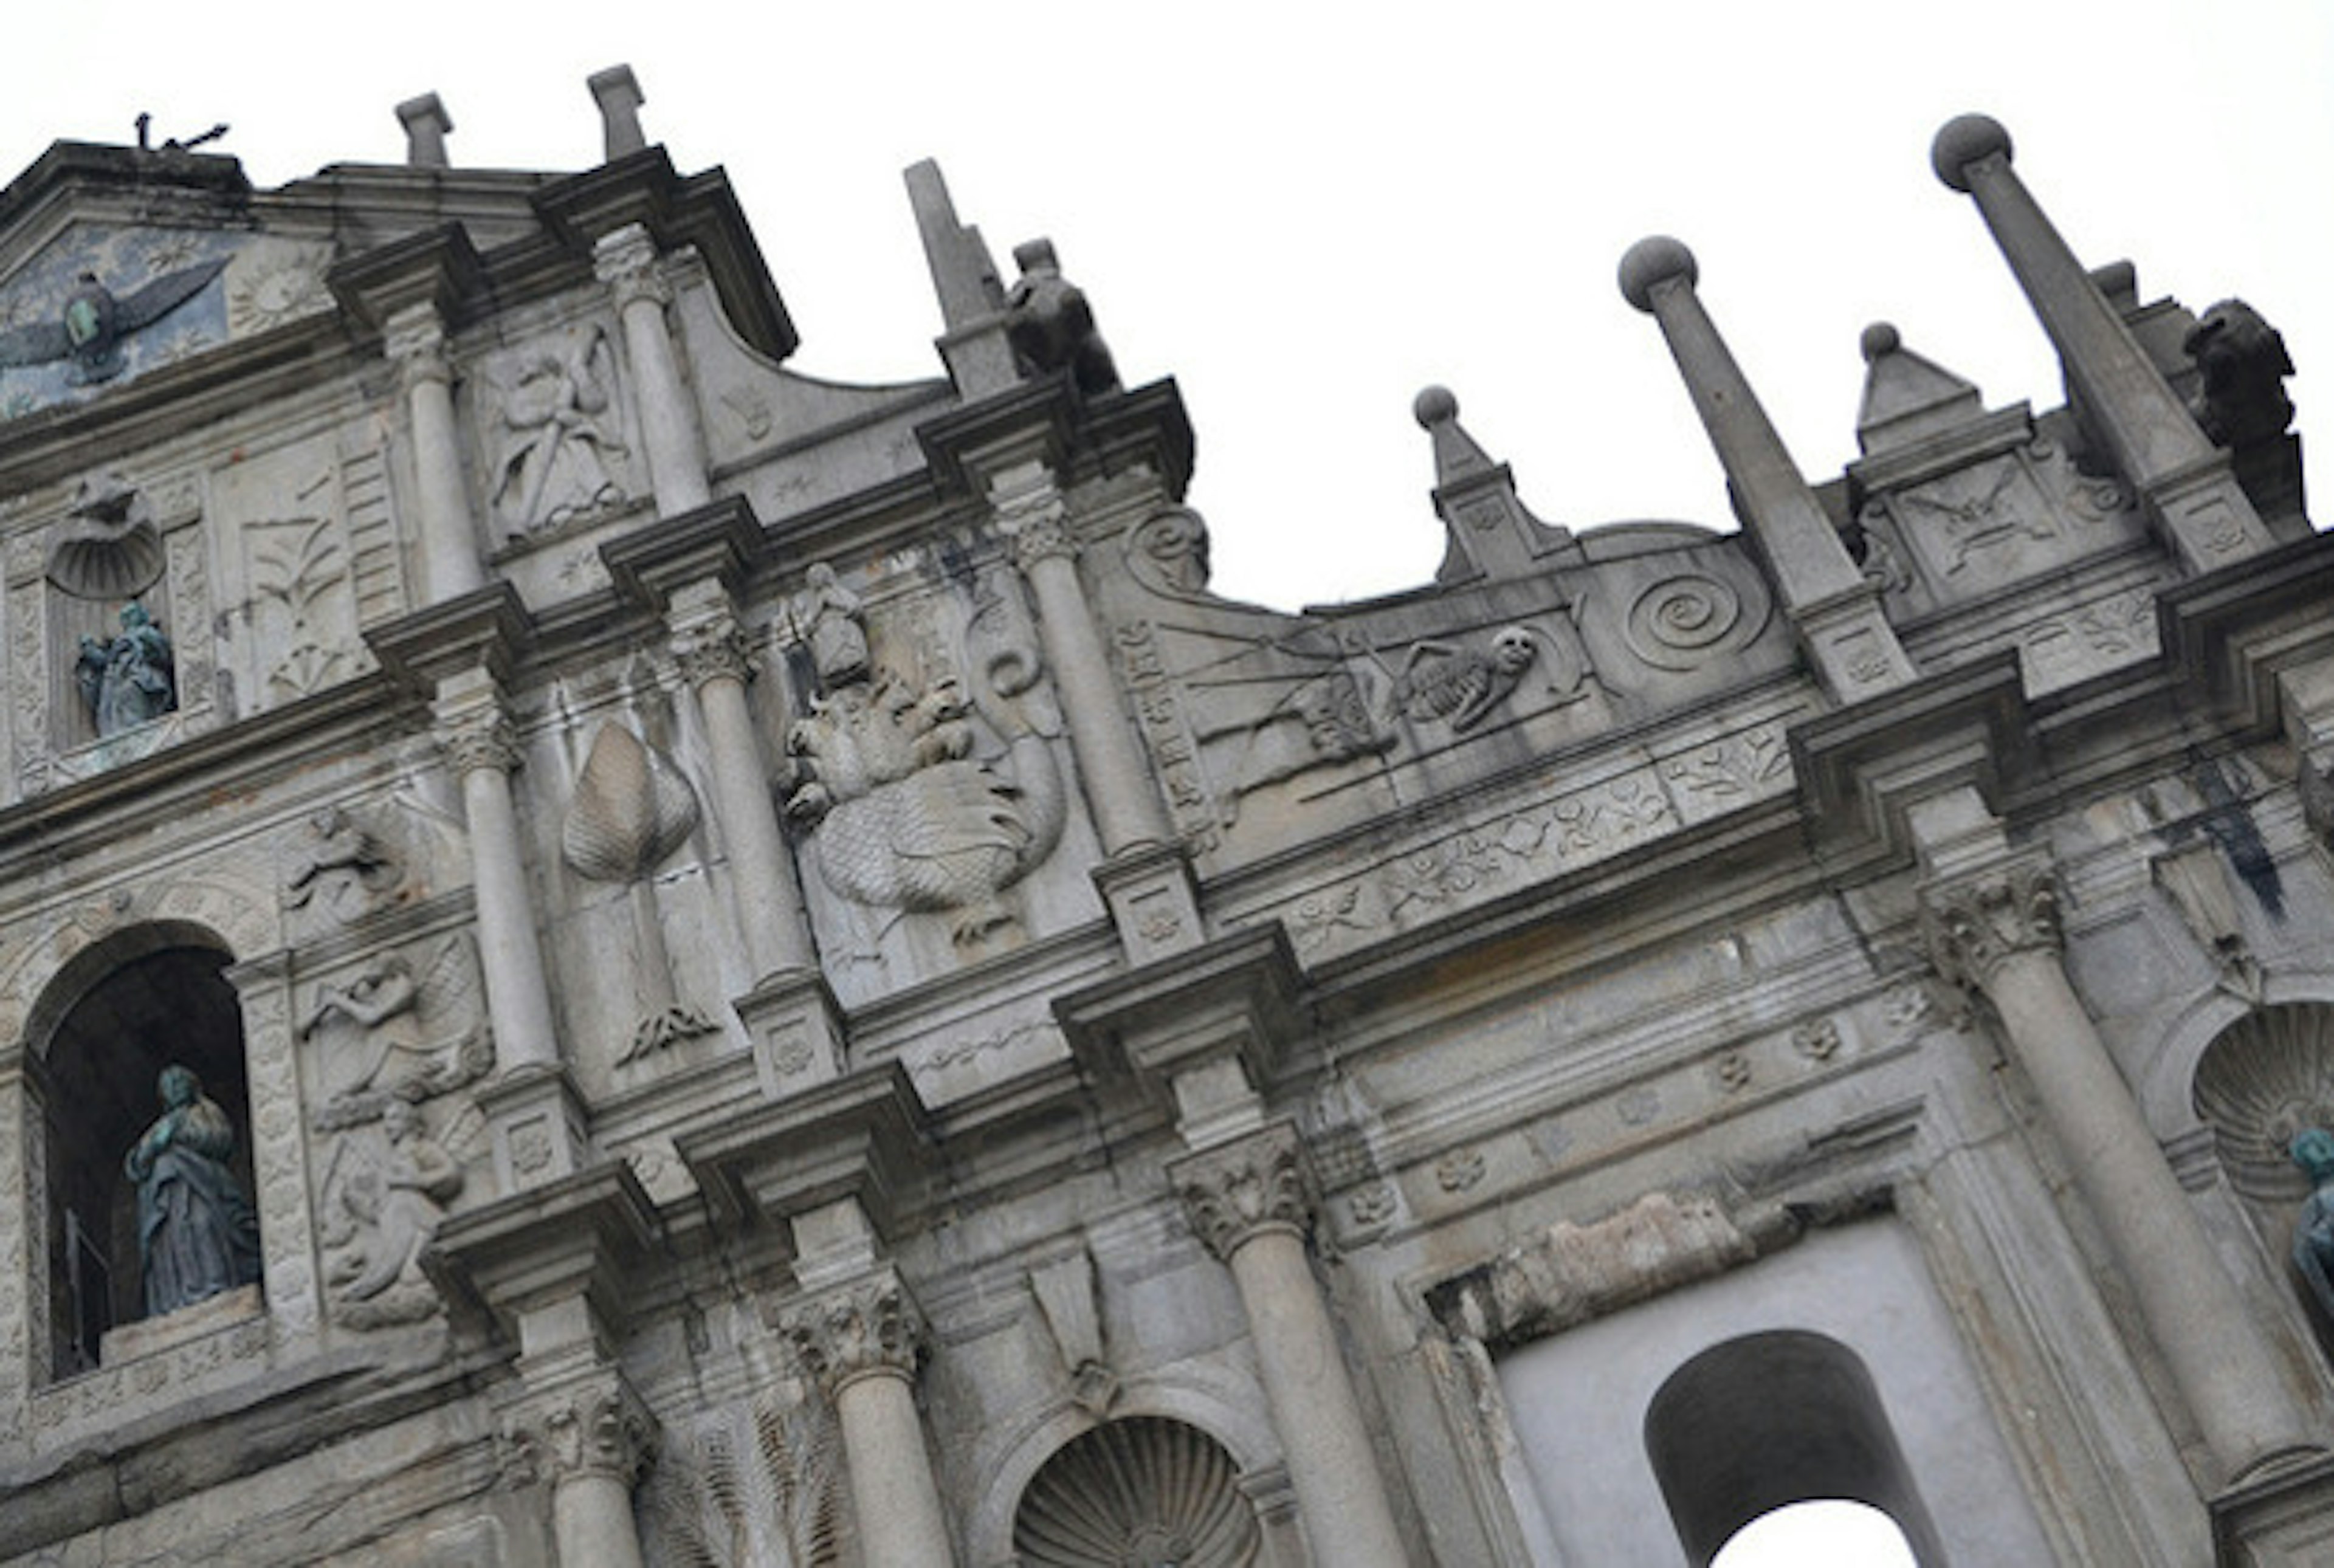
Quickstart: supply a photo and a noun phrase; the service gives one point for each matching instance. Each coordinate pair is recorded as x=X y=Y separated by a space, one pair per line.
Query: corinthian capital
x=1972 y=923
x=711 y=645
x=600 y=1429
x=1257 y=1184
x=414 y=341
x=1031 y=514
x=867 y=1327
x=626 y=261
x=478 y=739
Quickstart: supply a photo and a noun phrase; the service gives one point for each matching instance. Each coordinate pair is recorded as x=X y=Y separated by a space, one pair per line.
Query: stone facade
x=794 y=988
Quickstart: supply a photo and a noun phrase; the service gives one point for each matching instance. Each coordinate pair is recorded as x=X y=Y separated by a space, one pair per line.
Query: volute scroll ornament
x=601 y=1430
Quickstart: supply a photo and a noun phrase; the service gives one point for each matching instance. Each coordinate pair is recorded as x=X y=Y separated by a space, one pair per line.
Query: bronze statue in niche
x=198 y=1237
x=129 y=679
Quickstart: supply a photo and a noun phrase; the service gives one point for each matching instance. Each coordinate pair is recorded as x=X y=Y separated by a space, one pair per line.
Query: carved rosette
x=1975 y=923
x=1242 y=1189
x=599 y=1430
x=479 y=740
x=626 y=261
x=869 y=1328
x=414 y=341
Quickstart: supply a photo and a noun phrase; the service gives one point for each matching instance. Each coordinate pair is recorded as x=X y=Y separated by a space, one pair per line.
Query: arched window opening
x=1752 y=1426
x=100 y=1093
x=1145 y=1492
x=1832 y=1533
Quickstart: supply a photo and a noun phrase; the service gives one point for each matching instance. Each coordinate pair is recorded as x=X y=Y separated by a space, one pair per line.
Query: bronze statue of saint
x=128 y=680
x=198 y=1237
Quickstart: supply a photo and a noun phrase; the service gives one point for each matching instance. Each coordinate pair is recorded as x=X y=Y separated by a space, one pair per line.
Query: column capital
x=1973 y=923
x=1031 y=514
x=474 y=735
x=413 y=339
x=707 y=643
x=597 y=1426
x=871 y=1327
x=626 y=260
x=1238 y=1190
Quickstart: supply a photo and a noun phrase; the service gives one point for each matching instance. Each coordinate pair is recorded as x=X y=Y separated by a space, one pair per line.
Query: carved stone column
x=711 y=650
x=414 y=341
x=1251 y=1203
x=2185 y=480
x=481 y=751
x=627 y=261
x=591 y=1442
x=1996 y=931
x=862 y=1343
x=1146 y=882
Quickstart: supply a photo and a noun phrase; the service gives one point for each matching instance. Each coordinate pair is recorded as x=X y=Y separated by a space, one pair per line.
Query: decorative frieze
x=1973 y=924
x=1240 y=1190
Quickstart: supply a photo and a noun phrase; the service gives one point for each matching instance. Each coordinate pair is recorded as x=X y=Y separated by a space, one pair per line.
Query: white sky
x=1305 y=212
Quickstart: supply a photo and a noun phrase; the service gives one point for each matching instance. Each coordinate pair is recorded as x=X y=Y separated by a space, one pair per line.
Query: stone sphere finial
x=1433 y=406
x=1963 y=141
x=1879 y=338
x=1652 y=261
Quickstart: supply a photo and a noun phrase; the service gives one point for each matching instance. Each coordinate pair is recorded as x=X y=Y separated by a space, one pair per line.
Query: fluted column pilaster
x=1251 y=1203
x=862 y=1343
x=415 y=341
x=1996 y=931
x=710 y=649
x=626 y=260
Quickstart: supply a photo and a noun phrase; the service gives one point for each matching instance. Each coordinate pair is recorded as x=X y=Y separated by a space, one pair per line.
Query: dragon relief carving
x=916 y=797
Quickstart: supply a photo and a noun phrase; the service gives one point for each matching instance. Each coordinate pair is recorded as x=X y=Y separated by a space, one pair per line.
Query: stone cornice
x=723 y=541
x=488 y=627
x=1973 y=923
x=437 y=268
x=581 y=1236
x=1241 y=996
x=866 y=1136
x=2227 y=634
x=1861 y=767
x=1242 y=1189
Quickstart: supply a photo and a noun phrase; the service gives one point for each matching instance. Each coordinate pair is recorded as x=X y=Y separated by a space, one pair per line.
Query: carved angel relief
x=910 y=800
x=558 y=451
x=388 y=1043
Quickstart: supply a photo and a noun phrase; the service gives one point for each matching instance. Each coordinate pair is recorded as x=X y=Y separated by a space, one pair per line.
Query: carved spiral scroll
x=1142 y=1493
x=2266 y=1077
x=1682 y=622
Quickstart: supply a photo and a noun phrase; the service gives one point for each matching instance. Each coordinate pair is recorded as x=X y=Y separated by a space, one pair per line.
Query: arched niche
x=1768 y=1419
x=102 y=1031
x=1139 y=1492
x=2261 y=1080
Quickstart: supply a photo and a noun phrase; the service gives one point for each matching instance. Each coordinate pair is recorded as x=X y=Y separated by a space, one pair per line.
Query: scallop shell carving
x=631 y=809
x=1142 y=1493
x=2265 y=1078
x=106 y=546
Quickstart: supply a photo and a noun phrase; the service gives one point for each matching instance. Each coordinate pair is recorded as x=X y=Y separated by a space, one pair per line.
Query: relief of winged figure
x=388 y=1033
x=90 y=329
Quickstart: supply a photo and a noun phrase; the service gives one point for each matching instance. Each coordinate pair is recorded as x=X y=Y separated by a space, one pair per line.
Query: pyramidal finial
x=1907 y=397
x=1456 y=453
